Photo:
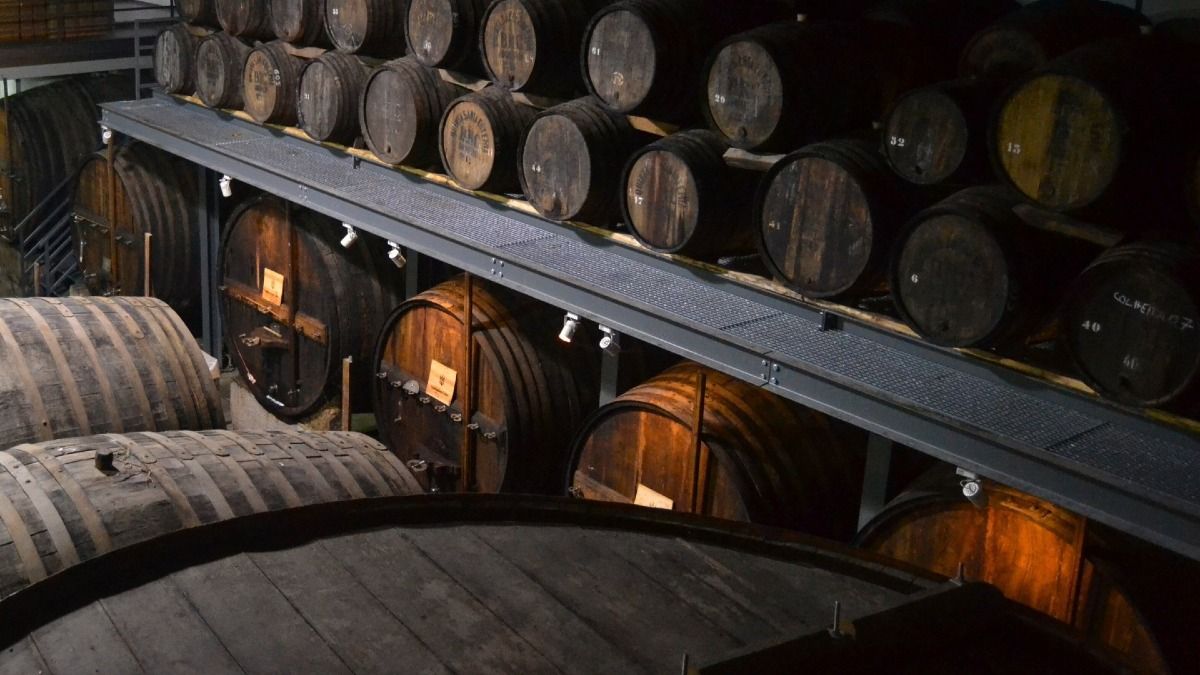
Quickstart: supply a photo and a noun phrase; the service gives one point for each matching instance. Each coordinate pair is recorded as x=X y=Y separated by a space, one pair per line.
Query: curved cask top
x=621 y=59
x=402 y=106
x=445 y=33
x=369 y=27
x=745 y=93
x=174 y=60
x=220 y=59
x=927 y=136
x=300 y=22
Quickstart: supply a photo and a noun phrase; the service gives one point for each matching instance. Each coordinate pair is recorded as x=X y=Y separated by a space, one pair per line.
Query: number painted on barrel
x=1132 y=363
x=596 y=51
x=719 y=98
x=916 y=278
x=1014 y=148
x=897 y=141
x=1091 y=326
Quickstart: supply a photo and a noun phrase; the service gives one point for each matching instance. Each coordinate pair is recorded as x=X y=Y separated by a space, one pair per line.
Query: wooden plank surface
x=82 y=640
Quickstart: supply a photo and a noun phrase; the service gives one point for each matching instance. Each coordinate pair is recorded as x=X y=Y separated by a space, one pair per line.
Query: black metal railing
x=45 y=241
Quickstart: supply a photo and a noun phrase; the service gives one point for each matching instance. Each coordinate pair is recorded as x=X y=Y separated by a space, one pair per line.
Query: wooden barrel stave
x=249 y=19
x=445 y=33
x=271 y=84
x=402 y=106
x=533 y=45
x=79 y=366
x=289 y=348
x=368 y=27
x=481 y=135
x=529 y=391
x=81 y=498
x=175 y=59
x=202 y=12
x=300 y=22
x=220 y=63
x=331 y=88
x=768 y=460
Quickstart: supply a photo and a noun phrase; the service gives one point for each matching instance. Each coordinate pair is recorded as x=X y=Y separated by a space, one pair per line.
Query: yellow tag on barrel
x=648 y=497
x=272 y=286
x=442 y=379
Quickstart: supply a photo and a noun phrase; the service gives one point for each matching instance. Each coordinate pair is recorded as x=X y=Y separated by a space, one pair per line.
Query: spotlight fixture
x=972 y=488
x=570 y=325
x=226 y=184
x=351 y=235
x=106 y=135
x=610 y=340
x=395 y=255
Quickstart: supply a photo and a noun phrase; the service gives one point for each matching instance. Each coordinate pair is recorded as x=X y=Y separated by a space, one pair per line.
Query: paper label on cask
x=442 y=379
x=272 y=286
x=648 y=497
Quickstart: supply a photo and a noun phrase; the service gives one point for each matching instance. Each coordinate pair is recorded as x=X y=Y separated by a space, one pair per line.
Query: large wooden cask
x=534 y=45
x=572 y=158
x=680 y=196
x=1131 y=325
x=754 y=457
x=369 y=27
x=81 y=366
x=826 y=218
x=296 y=304
x=249 y=19
x=66 y=502
x=220 y=64
x=402 y=107
x=299 y=22
x=641 y=56
x=120 y=198
x=524 y=392
x=445 y=33
x=175 y=59
x=1027 y=39
x=1038 y=554
x=271 y=84
x=481 y=136
x=202 y=12
x=968 y=272
x=330 y=91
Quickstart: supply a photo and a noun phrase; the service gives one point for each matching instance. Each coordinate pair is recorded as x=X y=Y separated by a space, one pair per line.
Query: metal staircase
x=49 y=265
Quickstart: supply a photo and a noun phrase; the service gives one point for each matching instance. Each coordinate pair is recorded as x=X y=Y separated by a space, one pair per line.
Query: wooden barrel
x=296 y=304
x=758 y=458
x=402 y=107
x=330 y=91
x=445 y=33
x=175 y=59
x=271 y=84
x=220 y=63
x=1027 y=39
x=528 y=390
x=198 y=11
x=640 y=56
x=534 y=45
x=937 y=135
x=826 y=218
x=142 y=191
x=968 y=272
x=1037 y=553
x=370 y=27
x=299 y=22
x=1131 y=325
x=681 y=197
x=763 y=91
x=82 y=498
x=572 y=159
x=943 y=27
x=1098 y=133
x=481 y=136
x=249 y=19
x=81 y=366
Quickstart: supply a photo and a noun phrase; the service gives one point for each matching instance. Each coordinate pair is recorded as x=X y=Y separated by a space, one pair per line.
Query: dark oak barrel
x=220 y=60
x=402 y=107
x=299 y=22
x=81 y=498
x=1027 y=39
x=142 y=191
x=445 y=33
x=826 y=218
x=271 y=84
x=534 y=45
x=296 y=304
x=80 y=366
x=937 y=134
x=1100 y=132
x=330 y=91
x=250 y=19
x=481 y=136
x=758 y=458
x=572 y=159
x=370 y=27
x=1037 y=553
x=1132 y=321
x=198 y=11
x=175 y=59
x=968 y=272
x=528 y=391
x=679 y=196
x=641 y=56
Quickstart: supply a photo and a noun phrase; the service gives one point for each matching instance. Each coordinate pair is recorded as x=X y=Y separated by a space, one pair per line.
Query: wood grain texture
x=202 y=12
x=445 y=33
x=249 y=19
x=368 y=27
x=300 y=22
x=403 y=103
x=271 y=84
x=533 y=46
x=220 y=62
x=333 y=303
x=761 y=458
x=481 y=136
x=331 y=89
x=529 y=391
x=174 y=60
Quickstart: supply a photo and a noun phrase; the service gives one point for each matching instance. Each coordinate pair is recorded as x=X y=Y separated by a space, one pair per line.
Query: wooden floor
x=463 y=599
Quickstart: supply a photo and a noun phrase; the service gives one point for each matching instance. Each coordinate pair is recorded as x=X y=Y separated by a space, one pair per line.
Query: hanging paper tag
x=272 y=287
x=441 y=383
